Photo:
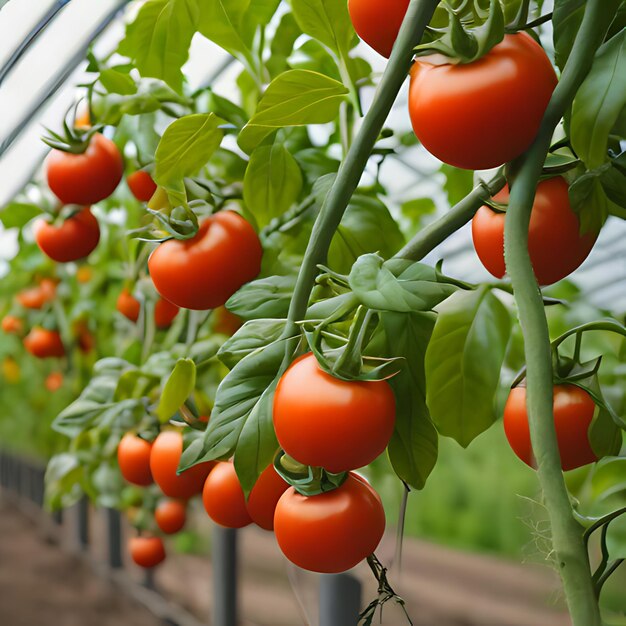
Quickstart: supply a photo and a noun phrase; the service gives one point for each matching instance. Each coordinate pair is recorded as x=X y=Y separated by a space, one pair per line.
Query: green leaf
x=18 y=214
x=608 y=478
x=397 y=285
x=566 y=20
x=263 y=298
x=327 y=21
x=272 y=183
x=367 y=226
x=458 y=183
x=62 y=480
x=463 y=363
x=187 y=144
x=117 y=82
x=589 y=200
x=178 y=387
x=158 y=39
x=220 y=21
x=599 y=102
x=294 y=98
x=414 y=445
x=605 y=435
x=250 y=337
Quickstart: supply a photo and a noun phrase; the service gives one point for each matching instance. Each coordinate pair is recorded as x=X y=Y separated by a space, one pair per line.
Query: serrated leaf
x=158 y=39
x=178 y=387
x=272 y=183
x=294 y=98
x=463 y=363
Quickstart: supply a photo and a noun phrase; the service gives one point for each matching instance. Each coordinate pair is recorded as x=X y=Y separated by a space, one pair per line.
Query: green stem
x=571 y=556
x=417 y=17
x=607 y=574
x=433 y=234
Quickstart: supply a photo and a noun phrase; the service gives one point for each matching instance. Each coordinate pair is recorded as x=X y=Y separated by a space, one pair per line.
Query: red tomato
x=128 y=305
x=164 y=459
x=141 y=185
x=264 y=497
x=36 y=297
x=171 y=515
x=225 y=322
x=146 y=551
x=482 y=114
x=85 y=178
x=326 y=422
x=133 y=457
x=555 y=244
x=75 y=239
x=203 y=272
x=54 y=381
x=378 y=23
x=333 y=531
x=44 y=343
x=12 y=324
x=164 y=313
x=223 y=497
x=574 y=409
x=86 y=341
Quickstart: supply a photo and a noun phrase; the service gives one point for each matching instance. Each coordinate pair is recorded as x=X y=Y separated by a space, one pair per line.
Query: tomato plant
x=327 y=422
x=223 y=497
x=170 y=516
x=141 y=185
x=130 y=307
x=147 y=552
x=87 y=177
x=75 y=239
x=12 y=324
x=44 y=343
x=133 y=458
x=333 y=531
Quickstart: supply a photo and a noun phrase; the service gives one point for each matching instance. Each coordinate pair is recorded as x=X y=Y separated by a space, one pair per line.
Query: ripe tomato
x=555 y=244
x=203 y=272
x=128 y=305
x=146 y=551
x=331 y=423
x=574 y=409
x=264 y=497
x=36 y=297
x=133 y=458
x=141 y=185
x=225 y=322
x=164 y=313
x=86 y=341
x=12 y=324
x=333 y=531
x=75 y=239
x=482 y=114
x=54 y=381
x=223 y=497
x=164 y=459
x=170 y=515
x=377 y=23
x=85 y=178
x=44 y=343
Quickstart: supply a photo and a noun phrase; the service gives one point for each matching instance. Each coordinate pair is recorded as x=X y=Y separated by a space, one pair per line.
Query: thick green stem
x=570 y=554
x=417 y=18
x=437 y=232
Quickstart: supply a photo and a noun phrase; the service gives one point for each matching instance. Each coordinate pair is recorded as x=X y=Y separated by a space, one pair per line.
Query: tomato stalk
x=570 y=552
x=417 y=17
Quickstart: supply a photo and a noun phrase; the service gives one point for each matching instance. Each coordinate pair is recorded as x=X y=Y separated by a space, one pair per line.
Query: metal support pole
x=114 y=536
x=340 y=600
x=41 y=487
x=224 y=556
x=82 y=523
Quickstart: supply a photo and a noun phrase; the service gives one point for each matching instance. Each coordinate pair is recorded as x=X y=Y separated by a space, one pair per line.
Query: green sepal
x=306 y=480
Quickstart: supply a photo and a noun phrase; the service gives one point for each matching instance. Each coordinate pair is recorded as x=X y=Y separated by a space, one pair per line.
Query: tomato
x=146 y=551
x=377 y=23
x=164 y=459
x=128 y=305
x=264 y=497
x=141 y=185
x=36 y=297
x=85 y=178
x=44 y=343
x=83 y=120
x=11 y=370
x=223 y=497
x=86 y=341
x=225 y=322
x=333 y=531
x=574 y=409
x=555 y=244
x=482 y=114
x=326 y=422
x=54 y=381
x=204 y=271
x=133 y=458
x=84 y=274
x=164 y=313
x=12 y=324
x=75 y=239
x=170 y=515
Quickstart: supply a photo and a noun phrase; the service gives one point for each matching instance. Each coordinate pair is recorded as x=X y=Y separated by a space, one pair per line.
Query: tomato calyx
x=72 y=140
x=306 y=480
